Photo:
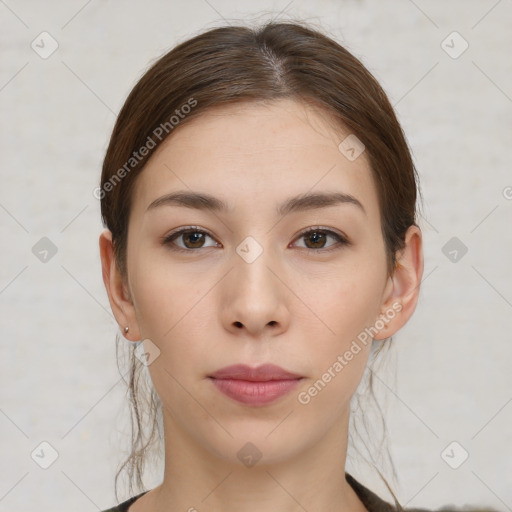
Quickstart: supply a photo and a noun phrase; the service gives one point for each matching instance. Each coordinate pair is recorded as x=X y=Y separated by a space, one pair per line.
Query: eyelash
x=342 y=241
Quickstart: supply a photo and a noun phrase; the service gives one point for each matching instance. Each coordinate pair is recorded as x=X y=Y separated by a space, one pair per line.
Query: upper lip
x=262 y=373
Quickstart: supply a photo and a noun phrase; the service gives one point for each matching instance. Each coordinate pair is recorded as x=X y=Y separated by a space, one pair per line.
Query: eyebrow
x=308 y=201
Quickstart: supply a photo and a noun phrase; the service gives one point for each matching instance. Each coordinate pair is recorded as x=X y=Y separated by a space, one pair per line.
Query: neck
x=312 y=479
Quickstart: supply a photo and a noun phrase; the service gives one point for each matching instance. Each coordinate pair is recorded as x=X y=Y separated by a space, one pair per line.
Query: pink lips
x=254 y=386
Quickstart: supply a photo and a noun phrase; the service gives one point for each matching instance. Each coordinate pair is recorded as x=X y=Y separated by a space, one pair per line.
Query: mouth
x=262 y=373
x=255 y=386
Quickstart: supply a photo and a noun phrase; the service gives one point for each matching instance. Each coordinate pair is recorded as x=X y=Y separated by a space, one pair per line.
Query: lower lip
x=255 y=393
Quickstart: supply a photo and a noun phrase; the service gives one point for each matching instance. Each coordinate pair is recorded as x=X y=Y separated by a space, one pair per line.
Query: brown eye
x=194 y=238
x=190 y=238
x=317 y=239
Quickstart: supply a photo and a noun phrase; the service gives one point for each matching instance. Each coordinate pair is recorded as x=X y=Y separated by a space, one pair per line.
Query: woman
x=259 y=199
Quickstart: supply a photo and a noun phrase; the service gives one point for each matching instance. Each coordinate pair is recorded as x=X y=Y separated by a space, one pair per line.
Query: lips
x=254 y=386
x=261 y=373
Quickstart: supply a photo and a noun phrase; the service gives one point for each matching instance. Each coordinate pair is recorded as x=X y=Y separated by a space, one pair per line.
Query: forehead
x=255 y=153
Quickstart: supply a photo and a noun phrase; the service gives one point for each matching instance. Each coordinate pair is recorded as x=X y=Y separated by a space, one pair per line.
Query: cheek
x=165 y=296
x=348 y=300
x=343 y=351
x=174 y=309
x=348 y=306
x=172 y=312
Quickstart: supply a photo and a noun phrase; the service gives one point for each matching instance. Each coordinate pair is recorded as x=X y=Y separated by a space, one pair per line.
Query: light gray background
x=450 y=377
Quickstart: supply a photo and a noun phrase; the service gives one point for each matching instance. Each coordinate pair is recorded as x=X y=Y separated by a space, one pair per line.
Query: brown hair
x=239 y=64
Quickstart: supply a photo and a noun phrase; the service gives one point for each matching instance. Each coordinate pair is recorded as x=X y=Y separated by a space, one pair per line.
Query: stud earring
x=126 y=329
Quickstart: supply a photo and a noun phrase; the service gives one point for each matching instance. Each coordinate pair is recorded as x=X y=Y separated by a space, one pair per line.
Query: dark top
x=370 y=500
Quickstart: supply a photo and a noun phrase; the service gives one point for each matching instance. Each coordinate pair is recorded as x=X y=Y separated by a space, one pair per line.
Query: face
x=254 y=276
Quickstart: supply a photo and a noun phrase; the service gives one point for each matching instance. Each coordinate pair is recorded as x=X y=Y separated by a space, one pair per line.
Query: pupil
x=317 y=237
x=196 y=237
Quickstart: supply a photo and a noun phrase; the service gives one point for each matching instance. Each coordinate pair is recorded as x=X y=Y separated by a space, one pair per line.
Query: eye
x=191 y=237
x=194 y=238
x=315 y=238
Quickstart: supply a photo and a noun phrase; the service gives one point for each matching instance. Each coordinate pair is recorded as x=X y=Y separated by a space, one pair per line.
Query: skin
x=293 y=306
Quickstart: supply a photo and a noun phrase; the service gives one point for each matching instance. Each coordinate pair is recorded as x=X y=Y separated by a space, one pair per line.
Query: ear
x=402 y=288
x=117 y=289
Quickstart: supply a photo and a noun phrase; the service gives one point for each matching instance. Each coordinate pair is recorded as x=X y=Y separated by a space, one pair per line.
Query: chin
x=257 y=445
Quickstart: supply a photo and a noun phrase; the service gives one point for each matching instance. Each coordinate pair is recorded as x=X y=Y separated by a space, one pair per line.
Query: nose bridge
x=252 y=262
x=256 y=297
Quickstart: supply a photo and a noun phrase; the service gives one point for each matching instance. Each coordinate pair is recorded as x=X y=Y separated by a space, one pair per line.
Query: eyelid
x=322 y=228
x=186 y=228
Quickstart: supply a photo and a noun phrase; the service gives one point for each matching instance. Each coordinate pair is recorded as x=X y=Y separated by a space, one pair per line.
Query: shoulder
x=123 y=507
x=452 y=508
x=369 y=499
x=374 y=503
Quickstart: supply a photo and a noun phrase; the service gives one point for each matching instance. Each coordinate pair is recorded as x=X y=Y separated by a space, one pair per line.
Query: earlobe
x=117 y=289
x=403 y=286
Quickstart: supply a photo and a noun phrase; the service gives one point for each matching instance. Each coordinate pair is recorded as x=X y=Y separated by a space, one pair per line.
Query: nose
x=255 y=299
